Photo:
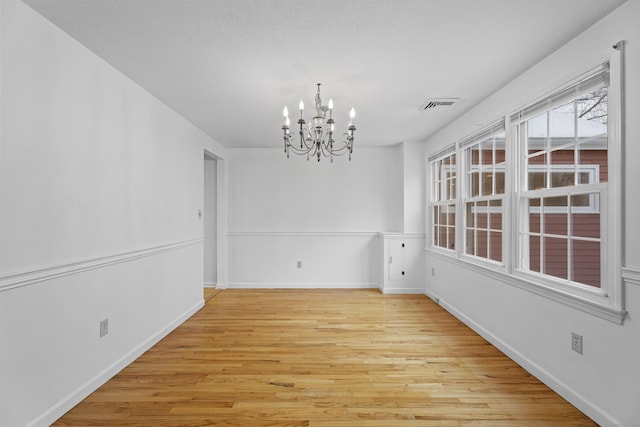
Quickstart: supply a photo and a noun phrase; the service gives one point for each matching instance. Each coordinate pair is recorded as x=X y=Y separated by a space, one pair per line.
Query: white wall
x=270 y=192
x=414 y=191
x=603 y=382
x=100 y=186
x=326 y=215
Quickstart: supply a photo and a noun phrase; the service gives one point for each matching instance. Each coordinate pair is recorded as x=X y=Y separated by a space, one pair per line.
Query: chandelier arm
x=325 y=150
x=340 y=146
x=299 y=151
x=340 y=151
x=336 y=151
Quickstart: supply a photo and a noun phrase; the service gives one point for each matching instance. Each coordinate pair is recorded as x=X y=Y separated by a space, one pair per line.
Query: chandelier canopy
x=316 y=137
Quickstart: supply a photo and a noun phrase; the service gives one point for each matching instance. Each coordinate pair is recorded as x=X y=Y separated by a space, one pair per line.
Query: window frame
x=435 y=167
x=481 y=137
x=606 y=302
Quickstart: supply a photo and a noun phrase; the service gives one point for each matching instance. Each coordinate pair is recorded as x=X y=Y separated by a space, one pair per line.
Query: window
x=536 y=196
x=483 y=201
x=443 y=199
x=562 y=142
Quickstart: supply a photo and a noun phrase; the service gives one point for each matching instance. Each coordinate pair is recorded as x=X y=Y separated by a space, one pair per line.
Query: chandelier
x=316 y=137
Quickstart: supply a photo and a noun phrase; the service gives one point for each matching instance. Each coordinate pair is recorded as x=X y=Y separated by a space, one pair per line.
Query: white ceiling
x=229 y=66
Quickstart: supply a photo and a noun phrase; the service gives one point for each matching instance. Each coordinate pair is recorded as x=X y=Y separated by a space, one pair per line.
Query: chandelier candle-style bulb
x=317 y=135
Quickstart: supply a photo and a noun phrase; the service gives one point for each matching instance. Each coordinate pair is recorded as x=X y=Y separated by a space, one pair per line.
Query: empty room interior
x=336 y=213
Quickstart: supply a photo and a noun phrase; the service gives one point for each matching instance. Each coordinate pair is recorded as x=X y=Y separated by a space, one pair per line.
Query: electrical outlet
x=576 y=342
x=104 y=327
x=299 y=264
x=433 y=271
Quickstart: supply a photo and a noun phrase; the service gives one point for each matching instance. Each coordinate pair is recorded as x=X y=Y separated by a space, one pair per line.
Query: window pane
x=593 y=116
x=595 y=157
x=495 y=247
x=471 y=242
x=562 y=179
x=475 y=156
x=487 y=183
x=555 y=222
x=585 y=224
x=452 y=188
x=451 y=220
x=534 y=215
x=481 y=214
x=583 y=178
x=499 y=182
x=534 y=253
x=586 y=262
x=451 y=238
x=442 y=231
x=470 y=214
x=555 y=257
x=495 y=214
x=537 y=180
x=487 y=152
x=562 y=124
x=581 y=200
x=560 y=201
x=482 y=243
x=537 y=133
x=475 y=183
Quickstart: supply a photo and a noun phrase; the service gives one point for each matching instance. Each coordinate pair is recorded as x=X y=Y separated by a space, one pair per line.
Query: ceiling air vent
x=433 y=103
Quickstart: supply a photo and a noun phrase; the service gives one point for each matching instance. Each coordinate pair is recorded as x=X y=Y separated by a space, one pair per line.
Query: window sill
x=599 y=308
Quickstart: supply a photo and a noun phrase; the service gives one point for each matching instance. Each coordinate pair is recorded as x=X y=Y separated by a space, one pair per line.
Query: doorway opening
x=210 y=220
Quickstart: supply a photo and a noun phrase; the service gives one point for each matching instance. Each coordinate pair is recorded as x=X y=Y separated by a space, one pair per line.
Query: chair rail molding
x=43 y=274
x=631 y=275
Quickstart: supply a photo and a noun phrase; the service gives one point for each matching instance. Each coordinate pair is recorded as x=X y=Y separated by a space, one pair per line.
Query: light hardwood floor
x=323 y=358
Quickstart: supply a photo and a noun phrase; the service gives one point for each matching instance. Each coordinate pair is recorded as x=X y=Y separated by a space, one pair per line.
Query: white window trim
x=606 y=303
x=433 y=191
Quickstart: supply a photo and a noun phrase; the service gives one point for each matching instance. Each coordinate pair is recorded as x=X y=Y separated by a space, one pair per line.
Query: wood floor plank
x=323 y=358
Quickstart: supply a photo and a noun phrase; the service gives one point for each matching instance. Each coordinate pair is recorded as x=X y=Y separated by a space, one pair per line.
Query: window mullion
x=569 y=238
x=542 y=237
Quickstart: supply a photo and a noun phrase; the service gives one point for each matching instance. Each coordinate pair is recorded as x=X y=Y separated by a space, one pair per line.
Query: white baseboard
x=592 y=410
x=59 y=409
x=403 y=290
x=302 y=285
